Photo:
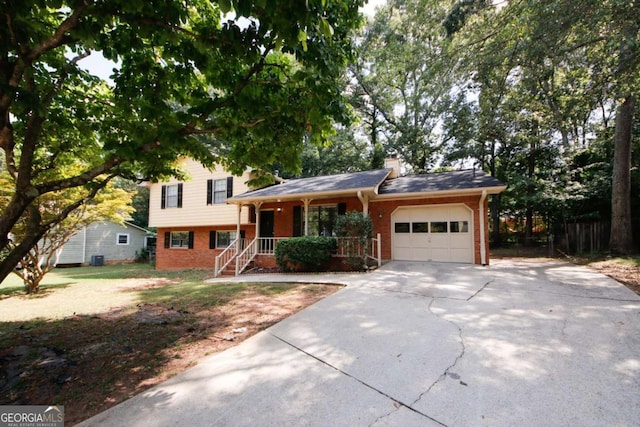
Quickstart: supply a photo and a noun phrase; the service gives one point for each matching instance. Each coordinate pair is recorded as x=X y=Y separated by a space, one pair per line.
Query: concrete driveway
x=424 y=344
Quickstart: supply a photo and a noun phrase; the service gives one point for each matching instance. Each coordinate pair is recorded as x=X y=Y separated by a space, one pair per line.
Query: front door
x=266 y=230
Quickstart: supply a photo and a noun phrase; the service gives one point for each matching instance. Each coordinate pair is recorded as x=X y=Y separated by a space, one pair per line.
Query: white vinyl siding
x=102 y=238
x=195 y=210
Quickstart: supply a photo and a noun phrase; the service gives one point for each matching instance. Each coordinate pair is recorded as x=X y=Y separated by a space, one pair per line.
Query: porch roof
x=321 y=186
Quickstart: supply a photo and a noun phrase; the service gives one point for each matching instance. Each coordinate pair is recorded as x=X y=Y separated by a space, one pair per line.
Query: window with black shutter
x=178 y=239
x=212 y=239
x=220 y=190
x=171 y=196
x=209 y=192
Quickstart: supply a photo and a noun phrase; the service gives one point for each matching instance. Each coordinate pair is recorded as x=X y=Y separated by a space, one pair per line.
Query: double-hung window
x=218 y=190
x=178 y=239
x=171 y=196
x=224 y=238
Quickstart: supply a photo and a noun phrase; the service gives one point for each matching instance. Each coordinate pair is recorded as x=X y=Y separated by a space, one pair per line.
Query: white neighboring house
x=104 y=242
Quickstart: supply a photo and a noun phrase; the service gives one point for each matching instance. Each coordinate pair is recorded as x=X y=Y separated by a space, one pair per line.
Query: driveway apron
x=423 y=344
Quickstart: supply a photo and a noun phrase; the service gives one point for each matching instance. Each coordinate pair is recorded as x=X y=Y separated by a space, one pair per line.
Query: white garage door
x=433 y=233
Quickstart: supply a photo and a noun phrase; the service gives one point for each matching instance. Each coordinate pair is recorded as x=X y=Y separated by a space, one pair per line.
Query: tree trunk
x=621 y=242
x=495 y=219
x=528 y=234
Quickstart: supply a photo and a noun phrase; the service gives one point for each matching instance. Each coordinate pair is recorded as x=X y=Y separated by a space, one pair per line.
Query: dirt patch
x=626 y=273
x=90 y=363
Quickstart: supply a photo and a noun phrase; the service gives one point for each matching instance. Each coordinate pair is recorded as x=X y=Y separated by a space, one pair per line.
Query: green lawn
x=133 y=326
x=92 y=290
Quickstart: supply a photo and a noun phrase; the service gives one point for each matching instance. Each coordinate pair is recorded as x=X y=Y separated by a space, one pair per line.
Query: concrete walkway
x=423 y=344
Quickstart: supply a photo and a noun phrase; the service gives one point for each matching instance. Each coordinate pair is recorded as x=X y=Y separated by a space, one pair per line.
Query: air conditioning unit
x=97 y=260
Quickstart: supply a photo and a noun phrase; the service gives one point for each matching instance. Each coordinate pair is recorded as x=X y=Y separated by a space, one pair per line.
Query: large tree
x=566 y=60
x=404 y=79
x=256 y=77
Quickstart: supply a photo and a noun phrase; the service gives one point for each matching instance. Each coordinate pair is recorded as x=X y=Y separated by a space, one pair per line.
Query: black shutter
x=297 y=221
x=342 y=208
x=167 y=239
x=191 y=235
x=212 y=239
x=242 y=234
x=229 y=186
x=209 y=192
x=163 y=198
x=180 y=195
x=252 y=214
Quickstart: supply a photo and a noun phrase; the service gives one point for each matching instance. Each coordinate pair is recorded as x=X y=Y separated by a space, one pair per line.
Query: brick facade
x=198 y=257
x=380 y=211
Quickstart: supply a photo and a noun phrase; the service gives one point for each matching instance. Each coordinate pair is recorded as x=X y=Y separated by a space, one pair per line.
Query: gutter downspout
x=483 y=248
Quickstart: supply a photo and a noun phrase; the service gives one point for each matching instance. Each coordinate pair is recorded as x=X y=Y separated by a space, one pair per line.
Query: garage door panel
x=432 y=233
x=459 y=241
x=461 y=255
x=440 y=255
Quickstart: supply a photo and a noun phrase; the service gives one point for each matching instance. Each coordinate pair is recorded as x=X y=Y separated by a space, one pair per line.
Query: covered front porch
x=242 y=254
x=303 y=207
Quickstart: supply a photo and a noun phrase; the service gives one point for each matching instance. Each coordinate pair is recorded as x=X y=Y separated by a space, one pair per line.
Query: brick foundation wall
x=198 y=257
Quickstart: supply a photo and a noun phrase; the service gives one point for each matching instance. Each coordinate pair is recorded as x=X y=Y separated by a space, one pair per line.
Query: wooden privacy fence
x=583 y=237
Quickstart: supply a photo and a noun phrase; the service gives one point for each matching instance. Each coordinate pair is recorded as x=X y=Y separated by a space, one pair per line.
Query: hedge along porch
x=431 y=217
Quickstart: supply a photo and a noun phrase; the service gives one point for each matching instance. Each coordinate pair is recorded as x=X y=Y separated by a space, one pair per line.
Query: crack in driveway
x=397 y=403
x=458 y=357
x=481 y=289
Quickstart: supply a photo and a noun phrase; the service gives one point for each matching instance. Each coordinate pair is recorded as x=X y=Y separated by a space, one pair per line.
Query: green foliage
x=188 y=80
x=404 y=79
x=343 y=152
x=309 y=253
x=357 y=228
x=354 y=224
x=543 y=83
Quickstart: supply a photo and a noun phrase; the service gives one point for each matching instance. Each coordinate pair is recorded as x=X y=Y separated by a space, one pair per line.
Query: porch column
x=306 y=202
x=365 y=202
x=257 y=206
x=239 y=205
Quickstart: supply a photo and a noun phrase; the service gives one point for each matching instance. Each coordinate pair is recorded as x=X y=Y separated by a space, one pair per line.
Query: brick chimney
x=393 y=162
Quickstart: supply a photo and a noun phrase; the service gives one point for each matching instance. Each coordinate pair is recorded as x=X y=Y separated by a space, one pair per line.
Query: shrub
x=304 y=253
x=358 y=228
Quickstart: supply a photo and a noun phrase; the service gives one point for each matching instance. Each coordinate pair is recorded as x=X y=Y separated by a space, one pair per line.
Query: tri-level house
x=214 y=220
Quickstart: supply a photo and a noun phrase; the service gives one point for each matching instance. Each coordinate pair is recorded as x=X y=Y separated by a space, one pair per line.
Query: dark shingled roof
x=443 y=181
x=320 y=184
